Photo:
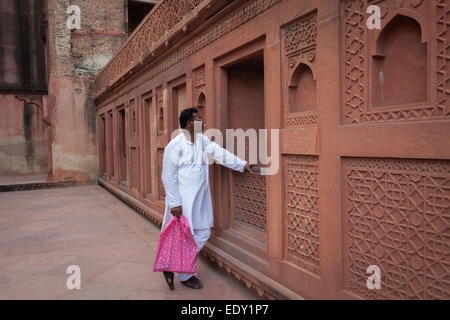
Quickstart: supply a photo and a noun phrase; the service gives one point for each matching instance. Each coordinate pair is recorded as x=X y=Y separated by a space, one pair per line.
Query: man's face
x=196 y=123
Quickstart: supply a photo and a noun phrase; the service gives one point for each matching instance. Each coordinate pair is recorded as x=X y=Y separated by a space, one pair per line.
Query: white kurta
x=186 y=179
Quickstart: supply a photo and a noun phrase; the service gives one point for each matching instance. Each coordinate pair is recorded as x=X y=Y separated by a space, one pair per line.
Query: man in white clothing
x=186 y=182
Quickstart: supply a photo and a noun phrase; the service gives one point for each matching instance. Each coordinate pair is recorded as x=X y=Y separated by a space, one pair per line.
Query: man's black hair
x=186 y=115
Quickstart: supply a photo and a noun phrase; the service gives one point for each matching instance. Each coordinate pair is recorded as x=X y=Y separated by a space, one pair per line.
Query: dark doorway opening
x=246 y=110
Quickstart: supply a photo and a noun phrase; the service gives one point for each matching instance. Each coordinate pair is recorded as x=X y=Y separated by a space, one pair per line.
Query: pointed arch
x=201 y=104
x=302 y=89
x=399 y=64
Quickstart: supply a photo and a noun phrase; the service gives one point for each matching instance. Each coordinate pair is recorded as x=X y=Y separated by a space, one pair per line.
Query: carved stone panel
x=397 y=217
x=200 y=90
x=249 y=199
x=299 y=55
x=443 y=57
x=360 y=52
x=302 y=212
x=199 y=81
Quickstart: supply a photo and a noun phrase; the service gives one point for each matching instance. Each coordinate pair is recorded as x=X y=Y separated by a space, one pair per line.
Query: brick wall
x=74 y=58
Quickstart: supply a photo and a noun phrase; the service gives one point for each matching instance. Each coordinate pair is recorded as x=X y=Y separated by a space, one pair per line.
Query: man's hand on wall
x=248 y=167
x=176 y=211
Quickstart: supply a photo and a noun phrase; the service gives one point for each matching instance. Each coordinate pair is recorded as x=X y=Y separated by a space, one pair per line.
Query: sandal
x=169 y=279
x=193 y=283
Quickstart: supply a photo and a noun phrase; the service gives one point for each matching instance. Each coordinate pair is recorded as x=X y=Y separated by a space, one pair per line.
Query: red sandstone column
x=328 y=106
x=273 y=92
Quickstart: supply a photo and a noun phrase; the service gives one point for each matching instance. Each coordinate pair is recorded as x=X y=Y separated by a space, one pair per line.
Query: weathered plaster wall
x=23 y=137
x=74 y=145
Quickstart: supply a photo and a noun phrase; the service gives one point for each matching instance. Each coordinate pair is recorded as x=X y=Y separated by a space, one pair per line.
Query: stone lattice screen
x=249 y=199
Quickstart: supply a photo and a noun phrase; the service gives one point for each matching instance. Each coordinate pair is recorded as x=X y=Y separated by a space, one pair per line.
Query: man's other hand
x=176 y=211
x=248 y=167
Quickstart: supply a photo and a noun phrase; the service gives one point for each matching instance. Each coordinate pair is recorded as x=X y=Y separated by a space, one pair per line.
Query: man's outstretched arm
x=226 y=158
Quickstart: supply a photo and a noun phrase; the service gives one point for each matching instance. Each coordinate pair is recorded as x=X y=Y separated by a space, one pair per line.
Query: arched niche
x=133 y=121
x=399 y=64
x=160 y=120
x=302 y=89
x=201 y=104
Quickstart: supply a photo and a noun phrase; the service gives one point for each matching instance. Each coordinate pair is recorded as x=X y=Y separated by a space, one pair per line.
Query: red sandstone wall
x=365 y=174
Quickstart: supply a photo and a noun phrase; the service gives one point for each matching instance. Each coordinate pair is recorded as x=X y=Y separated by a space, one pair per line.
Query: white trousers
x=200 y=238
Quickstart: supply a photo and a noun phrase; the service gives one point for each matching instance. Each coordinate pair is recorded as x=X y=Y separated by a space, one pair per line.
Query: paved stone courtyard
x=42 y=232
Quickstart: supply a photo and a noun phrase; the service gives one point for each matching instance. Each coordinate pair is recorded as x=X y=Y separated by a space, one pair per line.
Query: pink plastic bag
x=177 y=250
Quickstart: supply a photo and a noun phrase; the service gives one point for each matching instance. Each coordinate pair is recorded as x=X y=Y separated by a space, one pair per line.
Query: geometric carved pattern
x=122 y=62
x=199 y=78
x=299 y=42
x=443 y=56
x=301 y=34
x=296 y=120
x=302 y=206
x=199 y=83
x=356 y=78
x=354 y=59
x=397 y=216
x=249 y=199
